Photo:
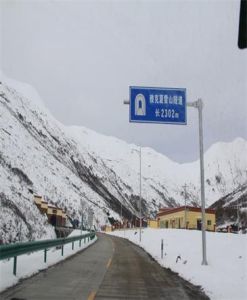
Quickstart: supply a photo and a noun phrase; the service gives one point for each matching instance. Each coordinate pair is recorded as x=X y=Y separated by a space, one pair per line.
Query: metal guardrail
x=14 y=250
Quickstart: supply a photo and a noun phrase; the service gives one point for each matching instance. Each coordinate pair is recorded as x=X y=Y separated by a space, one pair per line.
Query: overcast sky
x=82 y=56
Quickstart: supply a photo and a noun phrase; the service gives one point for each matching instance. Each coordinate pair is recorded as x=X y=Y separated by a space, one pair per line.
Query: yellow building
x=41 y=204
x=108 y=228
x=153 y=223
x=44 y=206
x=38 y=200
x=185 y=217
x=64 y=216
x=56 y=216
x=51 y=210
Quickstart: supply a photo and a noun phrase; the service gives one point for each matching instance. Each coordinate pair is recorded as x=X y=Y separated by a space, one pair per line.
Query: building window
x=54 y=211
x=209 y=222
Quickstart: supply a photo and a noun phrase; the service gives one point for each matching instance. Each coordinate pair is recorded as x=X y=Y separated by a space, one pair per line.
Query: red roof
x=167 y=211
x=166 y=208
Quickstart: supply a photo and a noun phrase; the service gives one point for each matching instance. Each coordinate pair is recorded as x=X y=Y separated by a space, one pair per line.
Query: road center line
x=109 y=263
x=91 y=296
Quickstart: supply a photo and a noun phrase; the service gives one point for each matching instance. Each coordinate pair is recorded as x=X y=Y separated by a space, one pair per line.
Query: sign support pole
x=199 y=105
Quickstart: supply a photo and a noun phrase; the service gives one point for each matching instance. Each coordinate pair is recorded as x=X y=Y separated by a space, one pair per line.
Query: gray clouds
x=82 y=56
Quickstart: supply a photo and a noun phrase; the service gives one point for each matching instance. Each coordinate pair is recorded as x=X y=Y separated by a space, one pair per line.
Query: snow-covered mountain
x=225 y=168
x=232 y=208
x=68 y=165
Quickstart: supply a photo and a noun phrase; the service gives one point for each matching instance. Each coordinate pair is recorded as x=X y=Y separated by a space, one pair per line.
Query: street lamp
x=140 y=193
x=185 y=208
x=140 y=196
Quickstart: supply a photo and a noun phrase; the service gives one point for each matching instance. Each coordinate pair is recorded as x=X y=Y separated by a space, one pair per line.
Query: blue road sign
x=158 y=105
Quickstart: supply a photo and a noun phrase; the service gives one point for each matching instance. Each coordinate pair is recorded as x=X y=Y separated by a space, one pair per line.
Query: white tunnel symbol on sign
x=140 y=105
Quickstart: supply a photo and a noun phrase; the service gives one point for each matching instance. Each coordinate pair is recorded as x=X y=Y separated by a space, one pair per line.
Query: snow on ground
x=225 y=276
x=30 y=264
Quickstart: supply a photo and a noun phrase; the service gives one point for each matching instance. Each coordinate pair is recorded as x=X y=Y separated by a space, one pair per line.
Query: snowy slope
x=36 y=155
x=68 y=165
x=232 y=208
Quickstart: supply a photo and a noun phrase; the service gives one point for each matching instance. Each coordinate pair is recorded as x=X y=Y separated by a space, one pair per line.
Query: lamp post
x=140 y=196
x=185 y=208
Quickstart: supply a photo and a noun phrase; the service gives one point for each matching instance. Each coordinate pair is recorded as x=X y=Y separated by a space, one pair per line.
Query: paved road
x=112 y=268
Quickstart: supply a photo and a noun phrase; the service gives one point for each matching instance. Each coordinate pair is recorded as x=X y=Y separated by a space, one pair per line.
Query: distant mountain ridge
x=232 y=208
x=71 y=164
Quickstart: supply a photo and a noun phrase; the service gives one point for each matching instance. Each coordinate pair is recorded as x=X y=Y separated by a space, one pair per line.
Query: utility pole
x=185 y=208
x=238 y=212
